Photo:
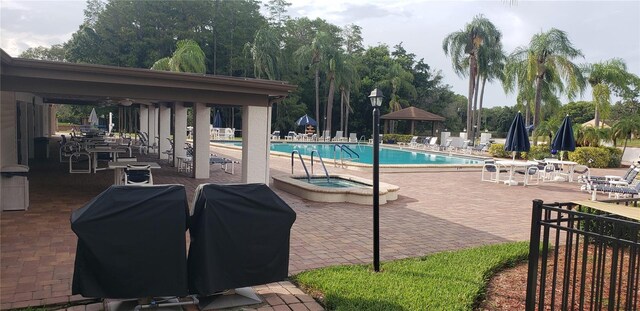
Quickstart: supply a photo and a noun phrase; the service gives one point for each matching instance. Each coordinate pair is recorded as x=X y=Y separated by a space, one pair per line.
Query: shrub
x=497 y=150
x=615 y=156
x=591 y=156
x=537 y=152
x=395 y=138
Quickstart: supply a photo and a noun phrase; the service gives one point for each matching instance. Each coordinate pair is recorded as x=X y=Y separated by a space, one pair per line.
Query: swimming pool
x=388 y=156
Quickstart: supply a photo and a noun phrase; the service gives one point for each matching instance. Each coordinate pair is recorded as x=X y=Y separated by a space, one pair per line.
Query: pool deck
x=435 y=211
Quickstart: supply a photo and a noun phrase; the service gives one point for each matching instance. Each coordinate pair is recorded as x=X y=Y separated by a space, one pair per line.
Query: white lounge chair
x=353 y=137
x=338 y=137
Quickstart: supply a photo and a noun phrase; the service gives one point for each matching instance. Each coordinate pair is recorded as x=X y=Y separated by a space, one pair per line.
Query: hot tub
x=339 y=188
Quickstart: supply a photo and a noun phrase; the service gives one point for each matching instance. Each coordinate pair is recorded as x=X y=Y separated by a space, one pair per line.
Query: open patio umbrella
x=306 y=120
x=517 y=137
x=564 y=139
x=93 y=117
x=217 y=119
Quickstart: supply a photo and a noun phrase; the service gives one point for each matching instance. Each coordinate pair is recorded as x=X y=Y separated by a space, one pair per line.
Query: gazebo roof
x=412 y=113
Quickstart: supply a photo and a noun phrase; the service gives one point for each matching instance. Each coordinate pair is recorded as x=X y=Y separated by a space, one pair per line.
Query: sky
x=600 y=29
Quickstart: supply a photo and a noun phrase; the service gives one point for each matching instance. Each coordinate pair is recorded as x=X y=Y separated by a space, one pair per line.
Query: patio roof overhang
x=59 y=82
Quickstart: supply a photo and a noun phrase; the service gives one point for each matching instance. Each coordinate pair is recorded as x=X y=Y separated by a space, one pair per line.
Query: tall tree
x=491 y=60
x=463 y=47
x=547 y=59
x=188 y=57
x=604 y=77
x=266 y=54
x=312 y=57
x=398 y=79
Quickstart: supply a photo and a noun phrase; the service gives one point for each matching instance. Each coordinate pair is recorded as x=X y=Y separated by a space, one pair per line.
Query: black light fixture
x=376 y=101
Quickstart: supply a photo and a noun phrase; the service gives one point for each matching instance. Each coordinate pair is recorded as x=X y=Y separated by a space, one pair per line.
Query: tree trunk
x=318 y=98
x=596 y=119
x=346 y=117
x=332 y=86
x=538 y=103
x=342 y=110
x=479 y=116
x=472 y=79
x=527 y=114
x=475 y=109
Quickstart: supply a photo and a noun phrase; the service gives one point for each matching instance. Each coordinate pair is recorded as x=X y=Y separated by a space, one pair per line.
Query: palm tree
x=491 y=60
x=266 y=54
x=311 y=56
x=399 y=79
x=463 y=46
x=547 y=59
x=346 y=78
x=188 y=57
x=604 y=76
x=625 y=128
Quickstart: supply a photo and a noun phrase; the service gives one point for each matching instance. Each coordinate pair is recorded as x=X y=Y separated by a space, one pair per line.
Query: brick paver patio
x=436 y=211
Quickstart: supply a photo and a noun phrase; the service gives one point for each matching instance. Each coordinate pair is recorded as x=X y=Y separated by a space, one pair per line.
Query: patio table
x=512 y=166
x=118 y=169
x=113 y=152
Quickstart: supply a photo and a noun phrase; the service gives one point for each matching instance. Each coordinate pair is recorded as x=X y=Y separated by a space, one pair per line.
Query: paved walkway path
x=435 y=211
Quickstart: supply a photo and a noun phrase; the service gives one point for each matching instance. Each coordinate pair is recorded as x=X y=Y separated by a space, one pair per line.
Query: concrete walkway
x=435 y=211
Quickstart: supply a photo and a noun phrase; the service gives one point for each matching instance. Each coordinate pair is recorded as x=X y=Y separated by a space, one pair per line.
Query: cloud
x=25 y=24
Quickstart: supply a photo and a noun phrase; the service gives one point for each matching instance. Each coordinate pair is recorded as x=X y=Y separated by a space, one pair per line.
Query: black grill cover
x=132 y=243
x=239 y=237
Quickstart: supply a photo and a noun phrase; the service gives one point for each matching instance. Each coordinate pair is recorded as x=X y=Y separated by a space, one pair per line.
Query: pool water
x=334 y=182
x=365 y=153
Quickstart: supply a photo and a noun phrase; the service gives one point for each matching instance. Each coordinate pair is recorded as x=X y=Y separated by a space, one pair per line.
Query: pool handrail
x=303 y=165
x=346 y=150
x=351 y=150
x=321 y=162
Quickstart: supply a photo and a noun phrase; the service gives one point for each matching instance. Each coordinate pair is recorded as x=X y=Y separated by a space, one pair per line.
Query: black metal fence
x=582 y=260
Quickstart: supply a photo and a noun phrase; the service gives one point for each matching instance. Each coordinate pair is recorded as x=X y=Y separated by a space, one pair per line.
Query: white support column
x=201 y=115
x=164 y=130
x=256 y=126
x=144 y=119
x=153 y=128
x=180 y=131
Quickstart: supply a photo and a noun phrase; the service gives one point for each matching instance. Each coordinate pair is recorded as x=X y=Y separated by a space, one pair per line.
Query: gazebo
x=413 y=114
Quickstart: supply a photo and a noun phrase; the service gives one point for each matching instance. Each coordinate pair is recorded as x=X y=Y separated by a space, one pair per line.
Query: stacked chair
x=132 y=245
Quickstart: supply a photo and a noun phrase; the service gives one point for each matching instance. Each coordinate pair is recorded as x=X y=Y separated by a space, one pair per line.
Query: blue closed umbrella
x=306 y=120
x=517 y=137
x=564 y=139
x=217 y=119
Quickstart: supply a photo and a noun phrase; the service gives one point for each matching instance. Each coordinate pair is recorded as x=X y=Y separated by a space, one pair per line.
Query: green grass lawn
x=442 y=281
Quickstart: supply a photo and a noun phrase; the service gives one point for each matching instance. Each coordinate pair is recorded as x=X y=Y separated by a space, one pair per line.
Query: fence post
x=534 y=253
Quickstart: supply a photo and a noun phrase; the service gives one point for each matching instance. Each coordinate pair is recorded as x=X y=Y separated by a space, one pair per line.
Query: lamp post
x=376 y=101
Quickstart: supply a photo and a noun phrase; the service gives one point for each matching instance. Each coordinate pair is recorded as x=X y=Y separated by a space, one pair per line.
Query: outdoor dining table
x=118 y=169
x=511 y=164
x=570 y=164
x=113 y=152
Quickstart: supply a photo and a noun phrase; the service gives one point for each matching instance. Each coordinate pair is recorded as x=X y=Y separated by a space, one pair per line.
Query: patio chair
x=326 y=136
x=138 y=175
x=628 y=191
x=229 y=134
x=491 y=168
x=131 y=243
x=291 y=135
x=414 y=142
x=275 y=135
x=583 y=172
x=338 y=137
x=353 y=137
x=67 y=149
x=76 y=159
x=530 y=174
x=433 y=143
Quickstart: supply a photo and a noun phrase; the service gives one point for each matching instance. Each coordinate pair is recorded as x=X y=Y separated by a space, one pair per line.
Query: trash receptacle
x=15 y=188
x=41 y=147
